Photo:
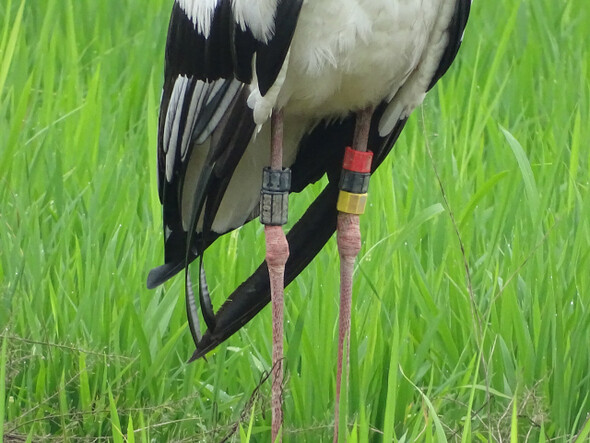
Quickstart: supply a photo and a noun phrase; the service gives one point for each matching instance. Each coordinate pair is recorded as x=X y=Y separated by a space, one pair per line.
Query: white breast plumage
x=348 y=54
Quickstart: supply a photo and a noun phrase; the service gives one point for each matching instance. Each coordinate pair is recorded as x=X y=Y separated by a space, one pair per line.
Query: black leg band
x=274 y=196
x=355 y=182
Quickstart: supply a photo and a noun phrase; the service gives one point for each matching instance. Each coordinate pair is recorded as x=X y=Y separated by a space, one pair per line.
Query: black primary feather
x=211 y=67
x=204 y=106
x=456 y=28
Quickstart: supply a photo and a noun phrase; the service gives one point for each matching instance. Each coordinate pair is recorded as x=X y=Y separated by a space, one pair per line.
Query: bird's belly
x=348 y=54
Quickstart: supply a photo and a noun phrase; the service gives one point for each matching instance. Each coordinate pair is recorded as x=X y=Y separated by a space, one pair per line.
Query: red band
x=357 y=161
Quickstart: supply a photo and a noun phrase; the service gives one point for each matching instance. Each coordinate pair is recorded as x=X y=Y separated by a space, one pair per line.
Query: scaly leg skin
x=349 y=244
x=277 y=252
x=273 y=215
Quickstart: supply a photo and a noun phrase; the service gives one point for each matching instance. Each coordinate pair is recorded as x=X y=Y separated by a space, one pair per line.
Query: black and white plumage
x=229 y=63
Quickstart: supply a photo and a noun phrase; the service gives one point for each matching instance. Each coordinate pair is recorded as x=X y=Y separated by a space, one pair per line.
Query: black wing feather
x=211 y=65
x=204 y=99
x=270 y=56
x=456 y=28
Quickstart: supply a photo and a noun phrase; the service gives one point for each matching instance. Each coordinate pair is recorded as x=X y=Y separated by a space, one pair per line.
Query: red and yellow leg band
x=354 y=181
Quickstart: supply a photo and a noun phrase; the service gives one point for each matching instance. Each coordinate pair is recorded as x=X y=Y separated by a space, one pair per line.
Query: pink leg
x=349 y=245
x=277 y=253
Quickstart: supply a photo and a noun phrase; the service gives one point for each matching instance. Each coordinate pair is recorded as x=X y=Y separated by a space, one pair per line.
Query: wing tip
x=200 y=352
x=163 y=273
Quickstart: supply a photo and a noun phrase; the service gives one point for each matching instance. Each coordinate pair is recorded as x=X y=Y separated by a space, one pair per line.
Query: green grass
x=496 y=354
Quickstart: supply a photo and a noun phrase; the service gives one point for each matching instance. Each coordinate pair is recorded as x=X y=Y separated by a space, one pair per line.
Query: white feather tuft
x=258 y=16
x=200 y=13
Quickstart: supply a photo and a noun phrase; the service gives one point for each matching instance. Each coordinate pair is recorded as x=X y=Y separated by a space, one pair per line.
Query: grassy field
x=489 y=344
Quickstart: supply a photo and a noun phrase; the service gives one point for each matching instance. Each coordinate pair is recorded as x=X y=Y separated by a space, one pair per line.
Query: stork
x=262 y=98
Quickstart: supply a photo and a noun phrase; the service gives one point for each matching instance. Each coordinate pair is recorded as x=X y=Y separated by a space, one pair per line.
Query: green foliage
x=437 y=352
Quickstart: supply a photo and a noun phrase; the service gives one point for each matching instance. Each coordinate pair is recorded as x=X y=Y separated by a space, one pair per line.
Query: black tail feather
x=192 y=314
x=306 y=239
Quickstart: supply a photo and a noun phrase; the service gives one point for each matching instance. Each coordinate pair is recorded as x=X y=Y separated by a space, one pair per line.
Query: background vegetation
x=488 y=344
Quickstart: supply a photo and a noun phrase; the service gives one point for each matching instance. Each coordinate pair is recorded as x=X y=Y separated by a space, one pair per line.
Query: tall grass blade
x=392 y=387
x=116 y=430
x=526 y=171
x=514 y=420
x=130 y=431
x=2 y=387
x=439 y=429
x=8 y=47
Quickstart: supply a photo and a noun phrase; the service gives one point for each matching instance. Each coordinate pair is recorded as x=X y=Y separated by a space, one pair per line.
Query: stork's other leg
x=276 y=183
x=351 y=202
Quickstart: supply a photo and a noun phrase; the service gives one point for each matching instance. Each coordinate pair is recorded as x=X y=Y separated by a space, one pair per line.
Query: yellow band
x=351 y=203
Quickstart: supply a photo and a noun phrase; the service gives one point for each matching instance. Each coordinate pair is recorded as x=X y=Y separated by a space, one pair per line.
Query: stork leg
x=273 y=214
x=351 y=203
